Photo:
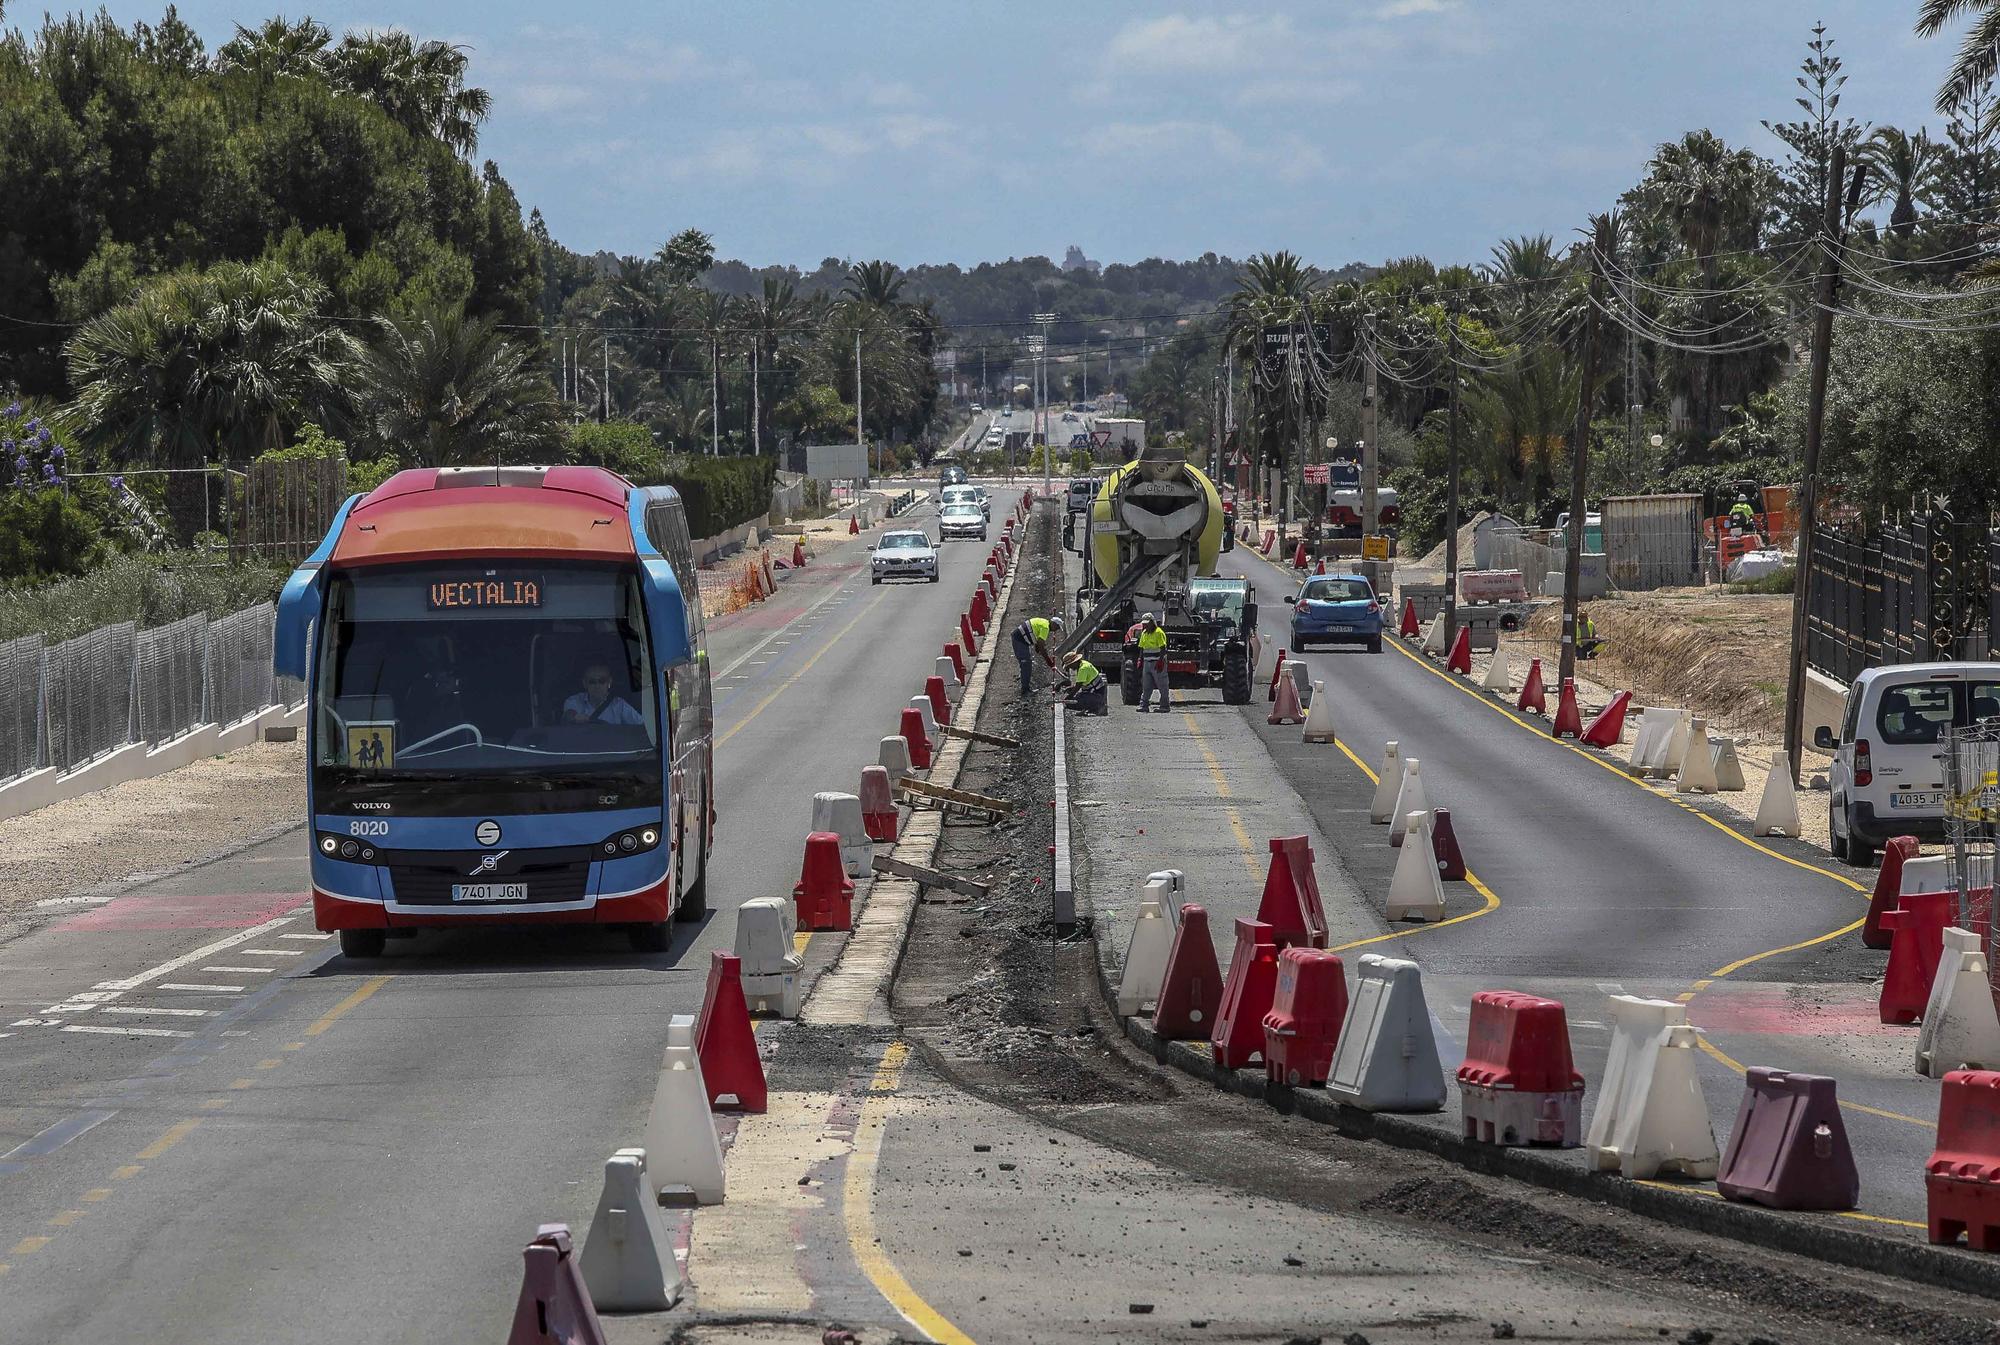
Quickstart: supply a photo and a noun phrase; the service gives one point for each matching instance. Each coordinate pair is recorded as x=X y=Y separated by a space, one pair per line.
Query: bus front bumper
x=651 y=906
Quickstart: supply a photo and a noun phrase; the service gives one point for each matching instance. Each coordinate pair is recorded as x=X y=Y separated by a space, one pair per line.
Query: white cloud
x=1403 y=9
x=1203 y=44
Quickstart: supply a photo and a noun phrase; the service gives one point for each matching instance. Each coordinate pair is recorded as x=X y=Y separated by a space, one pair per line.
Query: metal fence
x=66 y=705
x=1906 y=592
x=288 y=506
x=1523 y=549
x=1972 y=825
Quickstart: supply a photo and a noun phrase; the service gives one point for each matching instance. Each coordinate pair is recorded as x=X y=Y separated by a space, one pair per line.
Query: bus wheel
x=363 y=942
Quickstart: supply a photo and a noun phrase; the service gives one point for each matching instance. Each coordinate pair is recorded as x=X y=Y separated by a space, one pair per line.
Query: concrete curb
x=1825 y=1238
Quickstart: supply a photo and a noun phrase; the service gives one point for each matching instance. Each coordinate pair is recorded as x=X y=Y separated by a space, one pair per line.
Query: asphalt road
x=250 y=1138
x=1602 y=885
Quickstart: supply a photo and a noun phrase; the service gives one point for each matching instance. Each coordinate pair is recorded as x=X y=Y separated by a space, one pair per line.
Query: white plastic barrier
x=1388 y=780
x=628 y=1261
x=1146 y=951
x=945 y=668
x=1387 y=1057
x=1434 y=635
x=1499 y=671
x=1728 y=770
x=1410 y=798
x=841 y=814
x=683 y=1156
x=1928 y=873
x=922 y=704
x=1697 y=773
x=772 y=972
x=1650 y=1110
x=1960 y=1030
x=1415 y=891
x=1778 y=805
x=894 y=757
x=1319 y=717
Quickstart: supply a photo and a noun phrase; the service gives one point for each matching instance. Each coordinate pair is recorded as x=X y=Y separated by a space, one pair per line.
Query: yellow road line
x=175 y=1134
x=858 y=1206
x=334 y=1015
x=1679 y=1189
x=804 y=668
x=1223 y=792
x=33 y=1243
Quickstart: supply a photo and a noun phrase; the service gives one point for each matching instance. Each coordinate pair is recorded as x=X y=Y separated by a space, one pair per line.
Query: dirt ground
x=152 y=826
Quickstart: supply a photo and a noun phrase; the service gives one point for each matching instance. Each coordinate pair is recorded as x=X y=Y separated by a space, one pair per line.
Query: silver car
x=961 y=518
x=904 y=555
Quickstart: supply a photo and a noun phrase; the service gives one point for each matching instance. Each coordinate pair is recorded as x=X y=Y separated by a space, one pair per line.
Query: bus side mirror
x=1823 y=738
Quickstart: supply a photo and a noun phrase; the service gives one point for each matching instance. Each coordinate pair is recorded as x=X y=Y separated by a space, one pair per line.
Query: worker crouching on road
x=1153 y=664
x=1088 y=693
x=1031 y=637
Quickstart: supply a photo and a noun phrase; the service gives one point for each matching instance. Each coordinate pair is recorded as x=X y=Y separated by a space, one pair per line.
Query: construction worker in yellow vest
x=1087 y=693
x=1031 y=637
x=1153 y=664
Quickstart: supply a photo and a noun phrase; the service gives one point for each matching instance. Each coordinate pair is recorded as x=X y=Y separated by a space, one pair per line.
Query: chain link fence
x=63 y=706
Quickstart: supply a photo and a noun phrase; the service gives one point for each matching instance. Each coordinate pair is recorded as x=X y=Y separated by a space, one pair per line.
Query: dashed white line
x=48 y=902
x=254 y=971
x=270 y=952
x=305 y=936
x=150 y=1009
x=128 y=1031
x=201 y=988
x=205 y=951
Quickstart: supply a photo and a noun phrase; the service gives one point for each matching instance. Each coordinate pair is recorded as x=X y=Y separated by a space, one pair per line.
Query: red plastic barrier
x=1518 y=1084
x=824 y=893
x=1238 y=1035
x=951 y=651
x=1299 y=555
x=1460 y=658
x=730 y=1065
x=554 y=1307
x=976 y=612
x=914 y=735
x=1270 y=540
x=965 y=635
x=1285 y=707
x=1409 y=629
x=1962 y=1178
x=1191 y=986
x=1607 y=727
x=1888 y=889
x=1291 y=895
x=1915 y=949
x=1319 y=566
x=879 y=817
x=1534 y=696
x=1444 y=845
x=1277 y=671
x=798 y=553
x=1788 y=1149
x=1569 y=720
x=1307 y=1009
x=853 y=525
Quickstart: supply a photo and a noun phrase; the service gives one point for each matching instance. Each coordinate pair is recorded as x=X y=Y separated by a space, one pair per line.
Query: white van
x=1888 y=773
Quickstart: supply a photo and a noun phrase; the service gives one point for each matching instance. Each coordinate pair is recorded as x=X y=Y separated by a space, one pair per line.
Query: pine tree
x=1801 y=196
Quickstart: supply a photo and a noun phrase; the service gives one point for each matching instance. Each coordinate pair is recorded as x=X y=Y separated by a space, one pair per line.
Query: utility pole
x=1451 y=479
x=756 y=402
x=605 y=417
x=1371 y=511
x=1822 y=353
x=1579 y=449
x=985 y=388
x=860 y=438
x=1041 y=398
x=714 y=399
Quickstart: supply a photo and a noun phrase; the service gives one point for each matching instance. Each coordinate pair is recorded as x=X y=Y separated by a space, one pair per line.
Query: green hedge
x=722 y=492
x=151 y=590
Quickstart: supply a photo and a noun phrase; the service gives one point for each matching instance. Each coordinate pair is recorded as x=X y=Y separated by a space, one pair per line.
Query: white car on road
x=967 y=494
x=961 y=518
x=904 y=555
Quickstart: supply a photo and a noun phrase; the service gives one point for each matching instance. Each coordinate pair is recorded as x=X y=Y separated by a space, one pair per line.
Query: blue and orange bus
x=510 y=716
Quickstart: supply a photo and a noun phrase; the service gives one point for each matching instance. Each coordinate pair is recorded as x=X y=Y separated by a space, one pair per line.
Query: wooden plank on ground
x=964 y=797
x=978 y=736
x=929 y=877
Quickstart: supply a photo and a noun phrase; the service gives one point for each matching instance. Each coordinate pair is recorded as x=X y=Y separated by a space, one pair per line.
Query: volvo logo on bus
x=487 y=832
x=486 y=864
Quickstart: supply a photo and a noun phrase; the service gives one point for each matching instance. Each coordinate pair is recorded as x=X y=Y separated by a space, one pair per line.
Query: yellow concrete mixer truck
x=1156 y=528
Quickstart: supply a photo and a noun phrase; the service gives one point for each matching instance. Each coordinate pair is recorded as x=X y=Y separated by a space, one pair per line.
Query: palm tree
x=280 y=49
x=878 y=284
x=420 y=85
x=683 y=419
x=440 y=388
x=1978 y=53
x=773 y=321
x=1904 y=166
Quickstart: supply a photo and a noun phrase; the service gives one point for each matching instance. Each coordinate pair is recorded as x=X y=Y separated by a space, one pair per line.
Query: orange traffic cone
x=1460 y=658
x=1285 y=704
x=730 y=1064
x=1534 y=696
x=853 y=525
x=1608 y=728
x=1568 y=719
x=1320 y=567
x=1409 y=630
x=798 y=553
x=1299 y=555
x=1277 y=675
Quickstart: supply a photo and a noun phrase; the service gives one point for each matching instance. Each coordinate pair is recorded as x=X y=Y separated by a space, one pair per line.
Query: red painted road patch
x=1817 y=1010
x=224 y=910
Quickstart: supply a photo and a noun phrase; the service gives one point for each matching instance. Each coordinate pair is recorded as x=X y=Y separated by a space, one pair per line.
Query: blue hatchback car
x=1336 y=609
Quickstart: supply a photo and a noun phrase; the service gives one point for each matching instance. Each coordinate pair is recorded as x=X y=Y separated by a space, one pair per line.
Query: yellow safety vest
x=1038 y=626
x=1153 y=641
x=1086 y=673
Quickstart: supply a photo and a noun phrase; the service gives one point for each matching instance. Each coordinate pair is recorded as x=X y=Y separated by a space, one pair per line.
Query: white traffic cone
x=1434 y=635
x=922 y=704
x=1960 y=1028
x=1728 y=769
x=1778 y=806
x=1146 y=953
x=945 y=668
x=841 y=815
x=1697 y=774
x=1410 y=798
x=771 y=971
x=628 y=1261
x=1388 y=780
x=1319 y=717
x=1387 y=1056
x=1415 y=892
x=1650 y=1113
x=683 y=1156
x=1499 y=672
x=1677 y=743
x=894 y=757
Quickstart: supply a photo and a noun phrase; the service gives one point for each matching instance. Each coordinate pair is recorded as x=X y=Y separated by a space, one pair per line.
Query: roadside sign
x=1079 y=441
x=1100 y=438
x=1318 y=473
x=1346 y=472
x=1375 y=548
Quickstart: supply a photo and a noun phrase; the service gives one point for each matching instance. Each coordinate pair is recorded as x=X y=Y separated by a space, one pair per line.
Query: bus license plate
x=1911 y=798
x=489 y=891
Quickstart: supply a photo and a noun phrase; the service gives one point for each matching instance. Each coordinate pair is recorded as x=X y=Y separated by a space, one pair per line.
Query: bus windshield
x=494 y=673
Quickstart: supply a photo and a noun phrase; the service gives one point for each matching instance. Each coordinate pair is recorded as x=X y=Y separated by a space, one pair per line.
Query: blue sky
x=932 y=132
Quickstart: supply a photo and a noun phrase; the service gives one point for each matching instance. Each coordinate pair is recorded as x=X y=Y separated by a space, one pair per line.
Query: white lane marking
x=270 y=952
x=199 y=988
x=305 y=936
x=76 y=901
x=206 y=951
x=128 y=1031
x=830 y=595
x=1610 y=988
x=254 y=971
x=36 y=1022
x=151 y=1009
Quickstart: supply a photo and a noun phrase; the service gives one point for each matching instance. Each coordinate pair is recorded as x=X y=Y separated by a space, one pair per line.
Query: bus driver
x=595 y=704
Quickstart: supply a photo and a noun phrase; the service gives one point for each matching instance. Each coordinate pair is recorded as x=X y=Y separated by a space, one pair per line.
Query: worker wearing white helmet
x=1152 y=644
x=1031 y=637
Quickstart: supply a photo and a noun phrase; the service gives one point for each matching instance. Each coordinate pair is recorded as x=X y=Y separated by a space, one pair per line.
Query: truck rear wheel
x=1236 y=675
x=1128 y=676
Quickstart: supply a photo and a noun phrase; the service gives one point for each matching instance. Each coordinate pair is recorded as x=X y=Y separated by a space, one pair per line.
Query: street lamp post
x=1041 y=394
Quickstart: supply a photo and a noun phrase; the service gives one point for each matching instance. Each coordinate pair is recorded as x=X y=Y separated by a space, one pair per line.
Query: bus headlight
x=349 y=849
x=635 y=841
x=649 y=837
x=329 y=844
